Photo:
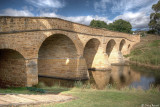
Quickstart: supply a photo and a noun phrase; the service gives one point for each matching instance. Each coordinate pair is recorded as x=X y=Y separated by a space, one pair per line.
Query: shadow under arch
x=57 y=57
x=90 y=51
x=122 y=43
x=12 y=69
x=111 y=45
x=129 y=46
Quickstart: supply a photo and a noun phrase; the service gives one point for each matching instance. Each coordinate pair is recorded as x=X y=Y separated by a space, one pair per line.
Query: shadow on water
x=120 y=76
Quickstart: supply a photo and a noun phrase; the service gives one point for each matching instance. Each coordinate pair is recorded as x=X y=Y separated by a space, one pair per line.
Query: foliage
x=142 y=34
x=154 y=23
x=118 y=25
x=147 y=54
x=19 y=90
x=151 y=31
x=121 y=26
x=98 y=24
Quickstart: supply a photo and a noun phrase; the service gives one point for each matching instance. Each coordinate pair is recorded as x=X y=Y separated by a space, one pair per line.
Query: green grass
x=148 y=53
x=20 y=90
x=89 y=97
x=110 y=98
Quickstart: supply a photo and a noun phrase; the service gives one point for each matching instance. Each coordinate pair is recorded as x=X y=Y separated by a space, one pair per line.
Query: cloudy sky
x=82 y=11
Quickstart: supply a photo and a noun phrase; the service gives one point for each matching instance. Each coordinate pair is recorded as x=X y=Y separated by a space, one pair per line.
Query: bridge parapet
x=29 y=24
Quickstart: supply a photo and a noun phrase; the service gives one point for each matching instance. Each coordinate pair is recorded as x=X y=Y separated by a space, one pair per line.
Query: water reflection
x=120 y=76
x=101 y=78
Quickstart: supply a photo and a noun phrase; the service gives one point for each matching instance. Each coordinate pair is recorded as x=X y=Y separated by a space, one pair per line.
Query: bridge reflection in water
x=120 y=76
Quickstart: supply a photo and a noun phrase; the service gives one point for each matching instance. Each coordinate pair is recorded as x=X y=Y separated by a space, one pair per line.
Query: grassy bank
x=111 y=98
x=86 y=96
x=147 y=52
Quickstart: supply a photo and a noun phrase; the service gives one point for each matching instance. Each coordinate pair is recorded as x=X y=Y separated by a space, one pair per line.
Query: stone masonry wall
x=12 y=69
x=10 y=24
x=53 y=47
x=57 y=57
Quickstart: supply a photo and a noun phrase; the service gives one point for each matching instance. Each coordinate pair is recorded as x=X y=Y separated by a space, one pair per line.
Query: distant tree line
x=118 y=25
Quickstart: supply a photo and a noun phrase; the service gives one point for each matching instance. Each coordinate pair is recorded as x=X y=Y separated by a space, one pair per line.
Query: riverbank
x=146 y=52
x=89 y=97
x=154 y=67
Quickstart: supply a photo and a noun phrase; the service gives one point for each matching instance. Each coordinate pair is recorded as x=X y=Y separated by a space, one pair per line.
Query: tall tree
x=118 y=25
x=121 y=26
x=98 y=24
x=154 y=23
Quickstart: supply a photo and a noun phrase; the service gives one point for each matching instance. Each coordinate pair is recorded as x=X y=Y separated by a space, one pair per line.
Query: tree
x=121 y=26
x=118 y=25
x=154 y=23
x=98 y=24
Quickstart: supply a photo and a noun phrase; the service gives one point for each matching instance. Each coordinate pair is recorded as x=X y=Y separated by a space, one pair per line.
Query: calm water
x=121 y=76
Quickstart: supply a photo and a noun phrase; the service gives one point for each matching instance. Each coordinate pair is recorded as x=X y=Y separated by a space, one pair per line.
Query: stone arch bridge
x=52 y=47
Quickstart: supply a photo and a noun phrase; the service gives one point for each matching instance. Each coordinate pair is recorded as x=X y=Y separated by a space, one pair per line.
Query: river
x=119 y=77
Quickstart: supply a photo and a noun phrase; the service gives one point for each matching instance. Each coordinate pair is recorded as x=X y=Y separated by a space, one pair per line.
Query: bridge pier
x=31 y=72
x=116 y=58
x=101 y=62
x=82 y=71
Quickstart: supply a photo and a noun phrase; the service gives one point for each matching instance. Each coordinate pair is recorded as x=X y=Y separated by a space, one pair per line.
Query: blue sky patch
x=137 y=12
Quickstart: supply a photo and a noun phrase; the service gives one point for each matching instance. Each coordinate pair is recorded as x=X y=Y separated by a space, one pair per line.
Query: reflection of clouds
x=143 y=83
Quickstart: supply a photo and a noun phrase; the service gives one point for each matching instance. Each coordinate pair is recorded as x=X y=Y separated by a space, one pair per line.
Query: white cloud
x=101 y=6
x=137 y=20
x=44 y=14
x=121 y=6
x=127 y=5
x=87 y=19
x=79 y=19
x=47 y=3
x=140 y=18
x=14 y=12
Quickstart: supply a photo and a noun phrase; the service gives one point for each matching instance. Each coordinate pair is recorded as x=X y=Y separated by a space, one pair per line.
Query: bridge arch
x=72 y=36
x=12 y=68
x=57 y=56
x=90 y=50
x=122 y=44
x=7 y=45
x=111 y=46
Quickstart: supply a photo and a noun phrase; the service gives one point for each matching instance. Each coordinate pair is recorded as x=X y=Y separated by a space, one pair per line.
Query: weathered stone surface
x=57 y=48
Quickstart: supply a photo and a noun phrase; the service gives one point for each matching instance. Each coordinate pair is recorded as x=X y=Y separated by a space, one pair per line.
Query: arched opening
x=90 y=51
x=12 y=69
x=121 y=44
x=110 y=46
x=57 y=57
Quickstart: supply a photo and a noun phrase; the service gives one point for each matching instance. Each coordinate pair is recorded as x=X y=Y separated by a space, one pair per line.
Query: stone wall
x=13 y=24
x=12 y=69
x=57 y=57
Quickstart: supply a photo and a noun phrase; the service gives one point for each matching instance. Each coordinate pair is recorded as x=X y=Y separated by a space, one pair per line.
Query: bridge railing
x=28 y=24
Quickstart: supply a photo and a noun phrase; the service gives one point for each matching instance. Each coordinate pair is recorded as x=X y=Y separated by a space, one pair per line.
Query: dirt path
x=23 y=99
